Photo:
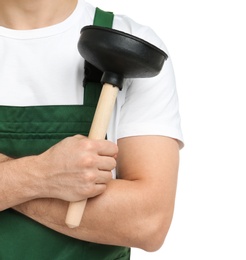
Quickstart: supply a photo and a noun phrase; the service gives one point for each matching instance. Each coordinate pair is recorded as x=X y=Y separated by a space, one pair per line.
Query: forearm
x=135 y=210
x=73 y=169
x=4 y=158
x=115 y=217
x=15 y=182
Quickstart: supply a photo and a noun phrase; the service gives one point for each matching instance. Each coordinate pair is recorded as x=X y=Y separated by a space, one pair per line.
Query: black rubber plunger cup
x=119 y=55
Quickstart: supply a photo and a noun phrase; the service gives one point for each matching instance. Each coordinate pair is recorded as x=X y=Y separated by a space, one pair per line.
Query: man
x=45 y=162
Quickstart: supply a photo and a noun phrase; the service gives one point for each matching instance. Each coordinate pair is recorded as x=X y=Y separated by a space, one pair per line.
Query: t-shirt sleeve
x=150 y=105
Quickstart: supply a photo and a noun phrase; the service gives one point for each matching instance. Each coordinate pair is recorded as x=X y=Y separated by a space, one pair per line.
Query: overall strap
x=103 y=18
x=91 y=83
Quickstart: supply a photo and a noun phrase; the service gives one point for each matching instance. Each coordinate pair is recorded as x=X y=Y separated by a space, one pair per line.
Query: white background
x=207 y=44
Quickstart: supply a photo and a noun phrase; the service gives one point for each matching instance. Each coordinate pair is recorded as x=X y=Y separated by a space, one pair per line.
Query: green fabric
x=23 y=239
x=32 y=130
x=103 y=18
x=92 y=96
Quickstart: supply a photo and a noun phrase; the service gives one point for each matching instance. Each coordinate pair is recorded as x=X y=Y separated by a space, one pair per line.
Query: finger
x=107 y=148
x=103 y=177
x=106 y=163
x=98 y=189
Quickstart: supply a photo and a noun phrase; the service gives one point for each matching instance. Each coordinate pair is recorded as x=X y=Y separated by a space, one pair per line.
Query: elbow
x=153 y=233
x=153 y=240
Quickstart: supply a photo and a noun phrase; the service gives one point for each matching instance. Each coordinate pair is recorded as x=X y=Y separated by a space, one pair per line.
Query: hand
x=77 y=168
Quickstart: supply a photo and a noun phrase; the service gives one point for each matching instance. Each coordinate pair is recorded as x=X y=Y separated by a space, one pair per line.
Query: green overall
x=31 y=130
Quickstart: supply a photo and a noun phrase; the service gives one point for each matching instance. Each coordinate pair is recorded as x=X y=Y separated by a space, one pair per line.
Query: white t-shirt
x=43 y=67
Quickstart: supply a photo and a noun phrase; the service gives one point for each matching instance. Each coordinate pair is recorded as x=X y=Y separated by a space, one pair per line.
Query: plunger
x=118 y=55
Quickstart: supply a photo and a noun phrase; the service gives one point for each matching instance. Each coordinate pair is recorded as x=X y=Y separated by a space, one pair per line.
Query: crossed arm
x=135 y=210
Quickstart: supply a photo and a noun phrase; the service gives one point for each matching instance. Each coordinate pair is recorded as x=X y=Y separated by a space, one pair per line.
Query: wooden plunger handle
x=98 y=130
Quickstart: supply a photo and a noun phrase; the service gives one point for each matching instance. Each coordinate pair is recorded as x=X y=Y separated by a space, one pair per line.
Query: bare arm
x=135 y=210
x=17 y=185
x=74 y=169
x=4 y=158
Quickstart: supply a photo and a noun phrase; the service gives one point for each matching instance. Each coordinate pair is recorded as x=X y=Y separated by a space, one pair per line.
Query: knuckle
x=87 y=189
x=88 y=161
x=88 y=144
x=89 y=178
